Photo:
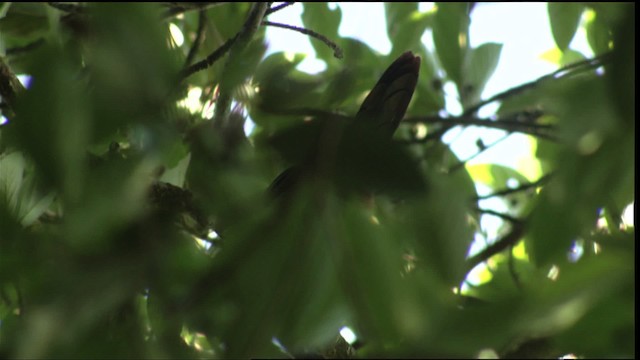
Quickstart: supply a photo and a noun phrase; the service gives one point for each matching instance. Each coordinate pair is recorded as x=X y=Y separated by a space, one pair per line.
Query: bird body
x=354 y=145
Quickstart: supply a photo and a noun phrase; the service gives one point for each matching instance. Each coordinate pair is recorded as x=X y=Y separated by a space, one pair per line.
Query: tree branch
x=209 y=60
x=523 y=122
x=462 y=163
x=219 y=52
x=524 y=187
x=505 y=242
x=565 y=71
x=202 y=17
x=509 y=218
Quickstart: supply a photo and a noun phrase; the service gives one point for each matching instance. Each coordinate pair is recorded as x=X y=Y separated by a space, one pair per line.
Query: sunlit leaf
x=479 y=65
x=598 y=34
x=450 y=36
x=564 y=19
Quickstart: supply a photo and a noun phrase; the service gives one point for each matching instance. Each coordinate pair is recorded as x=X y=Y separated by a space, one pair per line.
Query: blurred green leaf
x=570 y=56
x=442 y=228
x=564 y=19
x=496 y=176
x=55 y=125
x=479 y=65
x=439 y=159
x=131 y=67
x=406 y=25
x=242 y=65
x=386 y=305
x=349 y=83
x=281 y=87
x=585 y=166
x=24 y=21
x=396 y=14
x=559 y=304
x=598 y=34
x=226 y=20
x=451 y=37
x=428 y=97
x=289 y=266
x=19 y=192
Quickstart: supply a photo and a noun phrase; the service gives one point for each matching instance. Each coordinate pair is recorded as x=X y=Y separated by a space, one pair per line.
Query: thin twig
x=462 y=163
x=509 y=218
x=524 y=187
x=209 y=60
x=510 y=123
x=278 y=8
x=337 y=51
x=202 y=19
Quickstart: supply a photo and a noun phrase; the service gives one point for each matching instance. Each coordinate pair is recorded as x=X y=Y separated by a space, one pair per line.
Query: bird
x=379 y=116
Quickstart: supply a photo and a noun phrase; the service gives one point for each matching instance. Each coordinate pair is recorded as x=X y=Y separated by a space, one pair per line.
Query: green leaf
x=55 y=106
x=450 y=37
x=18 y=190
x=564 y=19
x=428 y=97
x=386 y=305
x=11 y=173
x=226 y=20
x=586 y=166
x=496 y=176
x=241 y=65
x=405 y=25
x=282 y=87
x=479 y=65
x=396 y=13
x=442 y=231
x=570 y=56
x=25 y=22
x=290 y=265
x=579 y=290
x=439 y=158
x=132 y=69
x=357 y=74
x=598 y=34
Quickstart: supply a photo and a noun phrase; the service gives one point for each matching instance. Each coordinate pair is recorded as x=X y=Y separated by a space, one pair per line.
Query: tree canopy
x=136 y=220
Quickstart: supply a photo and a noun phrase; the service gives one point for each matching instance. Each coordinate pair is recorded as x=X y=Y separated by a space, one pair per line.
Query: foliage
x=132 y=225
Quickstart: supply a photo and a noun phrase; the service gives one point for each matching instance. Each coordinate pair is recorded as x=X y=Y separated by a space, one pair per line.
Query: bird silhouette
x=378 y=118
